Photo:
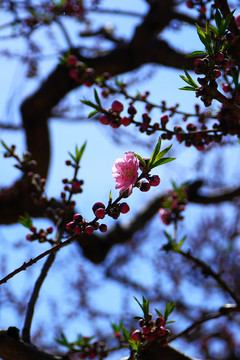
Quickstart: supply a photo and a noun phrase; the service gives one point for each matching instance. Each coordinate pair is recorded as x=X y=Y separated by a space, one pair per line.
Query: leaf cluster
x=189 y=80
x=25 y=220
x=157 y=157
x=80 y=343
x=172 y=244
x=212 y=36
x=98 y=106
x=78 y=154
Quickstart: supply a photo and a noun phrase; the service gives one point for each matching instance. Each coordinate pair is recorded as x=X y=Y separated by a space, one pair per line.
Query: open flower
x=125 y=172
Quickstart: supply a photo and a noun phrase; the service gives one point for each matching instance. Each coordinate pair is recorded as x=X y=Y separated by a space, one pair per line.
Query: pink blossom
x=125 y=172
x=165 y=216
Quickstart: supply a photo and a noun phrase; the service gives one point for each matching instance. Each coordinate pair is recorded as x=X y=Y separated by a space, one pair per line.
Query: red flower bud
x=117 y=106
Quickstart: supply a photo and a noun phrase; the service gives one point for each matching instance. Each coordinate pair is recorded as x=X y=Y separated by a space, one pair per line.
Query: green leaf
x=169 y=309
x=175 y=186
x=218 y=20
x=159 y=313
x=5 y=146
x=73 y=157
x=63 y=340
x=118 y=327
x=118 y=82
x=134 y=344
x=155 y=152
x=79 y=153
x=163 y=152
x=162 y=161
x=228 y=20
x=97 y=98
x=235 y=76
x=208 y=32
x=189 y=88
x=141 y=159
x=196 y=53
x=25 y=220
x=126 y=334
x=94 y=112
x=90 y=103
x=138 y=303
x=145 y=307
x=214 y=30
x=204 y=39
x=226 y=47
x=189 y=80
x=179 y=245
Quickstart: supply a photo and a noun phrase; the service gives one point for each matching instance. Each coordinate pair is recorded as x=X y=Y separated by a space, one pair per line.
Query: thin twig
x=225 y=310
x=10 y=126
x=209 y=271
x=115 y=12
x=25 y=265
x=34 y=296
x=64 y=32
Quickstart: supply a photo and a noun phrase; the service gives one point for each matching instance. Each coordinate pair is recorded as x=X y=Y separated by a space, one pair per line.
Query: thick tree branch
x=12 y=348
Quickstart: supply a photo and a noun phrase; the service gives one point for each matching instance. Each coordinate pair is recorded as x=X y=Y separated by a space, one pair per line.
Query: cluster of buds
x=200 y=6
x=40 y=235
x=73 y=186
x=113 y=211
x=117 y=209
x=145 y=126
x=211 y=67
x=89 y=351
x=80 y=72
x=80 y=226
x=198 y=137
x=228 y=121
x=27 y=165
x=112 y=116
x=68 y=7
x=152 y=330
x=150 y=180
x=205 y=66
x=173 y=205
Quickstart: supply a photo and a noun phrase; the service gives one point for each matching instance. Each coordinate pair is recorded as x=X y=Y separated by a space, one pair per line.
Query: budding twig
x=25 y=265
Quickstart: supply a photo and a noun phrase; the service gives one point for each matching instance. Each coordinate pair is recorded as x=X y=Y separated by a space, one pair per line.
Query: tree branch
x=225 y=310
x=37 y=287
x=25 y=265
x=12 y=348
x=34 y=296
x=208 y=271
